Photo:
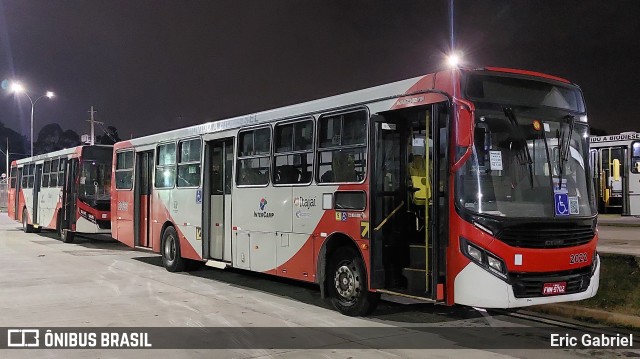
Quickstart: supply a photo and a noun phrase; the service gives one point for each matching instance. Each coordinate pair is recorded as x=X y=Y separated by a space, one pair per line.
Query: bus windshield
x=95 y=174
x=95 y=180
x=520 y=164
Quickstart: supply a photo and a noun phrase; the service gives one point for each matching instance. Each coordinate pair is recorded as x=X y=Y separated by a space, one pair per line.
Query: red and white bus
x=462 y=186
x=66 y=190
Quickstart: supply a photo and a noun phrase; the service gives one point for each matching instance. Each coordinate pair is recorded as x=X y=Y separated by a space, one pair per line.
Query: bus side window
x=12 y=177
x=124 y=170
x=53 y=180
x=46 y=170
x=61 y=169
x=293 y=152
x=342 y=147
x=635 y=157
x=254 y=161
x=189 y=163
x=166 y=165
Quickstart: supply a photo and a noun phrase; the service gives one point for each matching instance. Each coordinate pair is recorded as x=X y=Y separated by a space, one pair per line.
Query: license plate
x=554 y=288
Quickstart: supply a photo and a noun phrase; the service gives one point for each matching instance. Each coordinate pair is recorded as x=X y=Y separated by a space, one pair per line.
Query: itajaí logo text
x=263 y=213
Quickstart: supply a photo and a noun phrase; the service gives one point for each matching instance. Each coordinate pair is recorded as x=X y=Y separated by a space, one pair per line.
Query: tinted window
x=294 y=152
x=253 y=157
x=342 y=155
x=189 y=166
x=124 y=170
x=635 y=157
x=166 y=166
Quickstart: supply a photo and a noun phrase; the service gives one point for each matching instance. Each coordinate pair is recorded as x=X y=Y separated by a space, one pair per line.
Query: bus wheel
x=348 y=286
x=67 y=236
x=170 y=249
x=26 y=227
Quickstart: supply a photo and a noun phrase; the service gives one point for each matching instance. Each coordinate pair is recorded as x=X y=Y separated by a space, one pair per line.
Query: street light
x=454 y=60
x=17 y=88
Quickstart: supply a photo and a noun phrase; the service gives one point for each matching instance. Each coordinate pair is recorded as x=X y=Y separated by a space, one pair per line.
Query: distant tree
x=48 y=139
x=52 y=138
x=69 y=139
x=109 y=136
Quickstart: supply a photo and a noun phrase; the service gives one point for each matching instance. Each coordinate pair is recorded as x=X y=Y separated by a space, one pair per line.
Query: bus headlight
x=494 y=263
x=594 y=262
x=474 y=252
x=485 y=259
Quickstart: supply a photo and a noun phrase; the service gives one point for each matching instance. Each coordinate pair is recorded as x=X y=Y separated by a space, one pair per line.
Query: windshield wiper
x=525 y=155
x=564 y=146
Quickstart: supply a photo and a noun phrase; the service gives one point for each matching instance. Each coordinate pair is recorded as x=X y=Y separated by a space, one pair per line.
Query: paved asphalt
x=101 y=283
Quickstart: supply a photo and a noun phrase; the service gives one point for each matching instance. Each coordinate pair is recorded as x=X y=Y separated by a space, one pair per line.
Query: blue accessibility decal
x=199 y=195
x=561 y=201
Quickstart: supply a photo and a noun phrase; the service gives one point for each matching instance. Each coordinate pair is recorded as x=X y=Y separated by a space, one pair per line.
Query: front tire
x=26 y=227
x=348 y=285
x=67 y=236
x=170 y=249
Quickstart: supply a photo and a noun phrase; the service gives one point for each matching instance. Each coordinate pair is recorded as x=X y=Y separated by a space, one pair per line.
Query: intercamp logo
x=23 y=338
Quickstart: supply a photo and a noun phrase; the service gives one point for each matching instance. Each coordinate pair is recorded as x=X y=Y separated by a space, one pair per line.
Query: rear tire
x=170 y=249
x=26 y=227
x=348 y=287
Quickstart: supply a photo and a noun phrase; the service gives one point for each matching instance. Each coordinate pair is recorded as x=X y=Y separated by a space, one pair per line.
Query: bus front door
x=408 y=201
x=36 y=195
x=69 y=196
x=143 y=198
x=16 y=197
x=217 y=199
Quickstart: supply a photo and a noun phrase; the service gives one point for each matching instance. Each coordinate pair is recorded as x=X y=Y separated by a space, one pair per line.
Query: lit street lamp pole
x=19 y=89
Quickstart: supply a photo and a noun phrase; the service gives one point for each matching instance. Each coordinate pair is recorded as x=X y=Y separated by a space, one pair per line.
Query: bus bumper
x=476 y=287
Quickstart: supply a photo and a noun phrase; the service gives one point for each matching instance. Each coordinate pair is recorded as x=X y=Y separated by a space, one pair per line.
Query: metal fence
x=4 y=195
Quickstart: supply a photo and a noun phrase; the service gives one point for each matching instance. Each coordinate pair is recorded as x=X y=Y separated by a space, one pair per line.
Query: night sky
x=150 y=66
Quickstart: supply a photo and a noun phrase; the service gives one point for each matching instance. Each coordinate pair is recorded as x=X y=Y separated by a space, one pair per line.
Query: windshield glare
x=515 y=170
x=95 y=180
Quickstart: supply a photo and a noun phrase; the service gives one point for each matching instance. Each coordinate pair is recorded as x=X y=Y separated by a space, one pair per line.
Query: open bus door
x=69 y=198
x=142 y=198
x=613 y=182
x=16 y=195
x=216 y=199
x=409 y=202
x=36 y=197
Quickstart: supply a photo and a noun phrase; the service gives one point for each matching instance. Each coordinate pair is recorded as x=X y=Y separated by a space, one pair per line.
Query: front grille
x=546 y=235
x=102 y=224
x=529 y=285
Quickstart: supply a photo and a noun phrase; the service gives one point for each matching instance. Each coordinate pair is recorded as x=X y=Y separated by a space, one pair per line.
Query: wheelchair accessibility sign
x=561 y=201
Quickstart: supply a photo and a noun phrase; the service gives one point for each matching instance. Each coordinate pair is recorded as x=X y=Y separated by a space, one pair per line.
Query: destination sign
x=622 y=137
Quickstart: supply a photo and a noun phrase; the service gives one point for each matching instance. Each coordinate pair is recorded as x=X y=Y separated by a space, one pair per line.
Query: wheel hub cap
x=346 y=281
x=170 y=249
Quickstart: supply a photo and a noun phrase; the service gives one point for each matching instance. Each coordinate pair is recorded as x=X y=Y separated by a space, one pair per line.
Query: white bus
x=423 y=188
x=66 y=190
x=616 y=163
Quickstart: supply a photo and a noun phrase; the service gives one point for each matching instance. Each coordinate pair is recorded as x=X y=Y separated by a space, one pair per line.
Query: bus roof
x=389 y=91
x=66 y=151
